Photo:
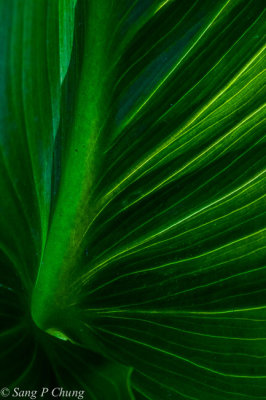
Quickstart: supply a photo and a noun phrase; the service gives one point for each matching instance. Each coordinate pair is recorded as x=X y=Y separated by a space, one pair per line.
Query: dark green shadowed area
x=132 y=198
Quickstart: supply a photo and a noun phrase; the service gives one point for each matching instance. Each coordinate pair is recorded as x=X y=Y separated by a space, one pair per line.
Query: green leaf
x=132 y=200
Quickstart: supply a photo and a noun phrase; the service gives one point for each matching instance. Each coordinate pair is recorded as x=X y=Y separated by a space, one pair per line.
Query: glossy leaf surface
x=132 y=195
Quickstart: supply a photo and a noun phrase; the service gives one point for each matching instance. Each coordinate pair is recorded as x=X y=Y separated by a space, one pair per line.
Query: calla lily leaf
x=132 y=197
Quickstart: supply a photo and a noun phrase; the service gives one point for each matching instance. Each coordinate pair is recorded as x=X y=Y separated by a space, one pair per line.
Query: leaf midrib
x=75 y=203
